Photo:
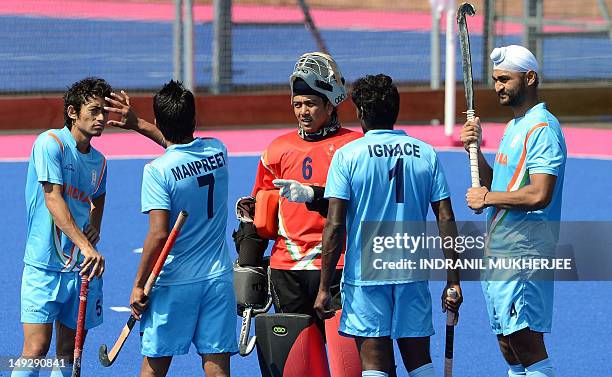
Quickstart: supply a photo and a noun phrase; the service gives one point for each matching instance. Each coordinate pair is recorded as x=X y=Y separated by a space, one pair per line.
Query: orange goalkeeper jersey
x=298 y=244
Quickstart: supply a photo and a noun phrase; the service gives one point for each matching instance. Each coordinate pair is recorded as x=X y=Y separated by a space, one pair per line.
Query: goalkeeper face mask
x=316 y=74
x=321 y=74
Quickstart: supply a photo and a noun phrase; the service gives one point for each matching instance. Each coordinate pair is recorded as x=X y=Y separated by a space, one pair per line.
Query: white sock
x=542 y=368
x=65 y=371
x=24 y=372
x=516 y=371
x=373 y=373
x=426 y=370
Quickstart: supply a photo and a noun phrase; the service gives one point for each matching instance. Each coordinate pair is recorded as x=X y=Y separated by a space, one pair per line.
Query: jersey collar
x=385 y=132
x=184 y=146
x=68 y=138
x=539 y=106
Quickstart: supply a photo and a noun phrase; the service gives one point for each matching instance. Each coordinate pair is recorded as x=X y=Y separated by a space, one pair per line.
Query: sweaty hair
x=378 y=100
x=82 y=92
x=174 y=109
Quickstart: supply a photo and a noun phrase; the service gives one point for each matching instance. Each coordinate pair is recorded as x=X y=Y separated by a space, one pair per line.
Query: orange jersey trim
x=61 y=145
x=523 y=155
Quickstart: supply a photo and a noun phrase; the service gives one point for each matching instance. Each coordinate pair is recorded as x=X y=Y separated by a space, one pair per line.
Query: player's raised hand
x=93 y=264
x=471 y=132
x=120 y=104
x=294 y=191
x=322 y=305
x=450 y=303
x=92 y=234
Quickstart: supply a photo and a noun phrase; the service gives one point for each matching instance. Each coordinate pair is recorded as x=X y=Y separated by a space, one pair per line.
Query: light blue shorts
x=202 y=313
x=47 y=296
x=395 y=310
x=518 y=304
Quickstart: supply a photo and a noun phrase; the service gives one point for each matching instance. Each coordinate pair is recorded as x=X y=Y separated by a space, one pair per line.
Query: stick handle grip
x=473 y=149
x=450 y=337
x=80 y=330
x=450 y=316
x=78 y=340
x=176 y=230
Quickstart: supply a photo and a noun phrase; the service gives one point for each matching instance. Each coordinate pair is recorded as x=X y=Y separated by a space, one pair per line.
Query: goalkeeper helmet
x=321 y=73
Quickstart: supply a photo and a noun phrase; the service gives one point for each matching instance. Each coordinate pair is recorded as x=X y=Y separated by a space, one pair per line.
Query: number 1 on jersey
x=208 y=180
x=398 y=173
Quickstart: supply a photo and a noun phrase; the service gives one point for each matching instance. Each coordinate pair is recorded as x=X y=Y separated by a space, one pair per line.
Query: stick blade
x=103 y=356
x=465 y=8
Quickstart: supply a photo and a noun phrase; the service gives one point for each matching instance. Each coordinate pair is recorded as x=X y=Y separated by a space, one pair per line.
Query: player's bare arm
x=534 y=196
x=472 y=132
x=92 y=230
x=443 y=210
x=120 y=104
x=54 y=200
x=334 y=234
x=153 y=244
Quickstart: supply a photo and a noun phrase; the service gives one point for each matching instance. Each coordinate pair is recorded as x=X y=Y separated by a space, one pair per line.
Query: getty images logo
x=279 y=330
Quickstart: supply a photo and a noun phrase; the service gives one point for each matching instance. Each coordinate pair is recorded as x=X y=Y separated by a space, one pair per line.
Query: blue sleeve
x=544 y=152
x=439 y=187
x=224 y=149
x=337 y=185
x=154 y=194
x=101 y=190
x=47 y=155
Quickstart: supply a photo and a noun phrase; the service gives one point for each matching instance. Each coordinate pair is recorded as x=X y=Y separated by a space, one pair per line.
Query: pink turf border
x=324 y=18
x=581 y=142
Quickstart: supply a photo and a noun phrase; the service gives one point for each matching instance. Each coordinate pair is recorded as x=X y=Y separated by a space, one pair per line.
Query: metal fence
x=136 y=45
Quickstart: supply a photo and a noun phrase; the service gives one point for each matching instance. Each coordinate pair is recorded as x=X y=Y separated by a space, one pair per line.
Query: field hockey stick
x=466 y=60
x=108 y=358
x=80 y=330
x=450 y=336
x=312 y=27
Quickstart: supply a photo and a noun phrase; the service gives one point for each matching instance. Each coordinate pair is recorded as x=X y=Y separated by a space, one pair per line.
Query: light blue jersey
x=532 y=144
x=386 y=176
x=191 y=177
x=55 y=159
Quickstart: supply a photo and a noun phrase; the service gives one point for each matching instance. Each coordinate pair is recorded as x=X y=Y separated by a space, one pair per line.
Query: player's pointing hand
x=294 y=191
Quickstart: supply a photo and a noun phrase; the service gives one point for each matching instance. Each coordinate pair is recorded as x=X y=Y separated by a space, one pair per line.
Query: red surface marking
x=324 y=18
x=580 y=141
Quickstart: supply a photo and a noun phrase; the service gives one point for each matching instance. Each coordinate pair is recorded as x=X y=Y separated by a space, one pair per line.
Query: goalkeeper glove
x=294 y=191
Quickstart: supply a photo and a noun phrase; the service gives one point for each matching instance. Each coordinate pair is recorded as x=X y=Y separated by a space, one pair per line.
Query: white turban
x=514 y=58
